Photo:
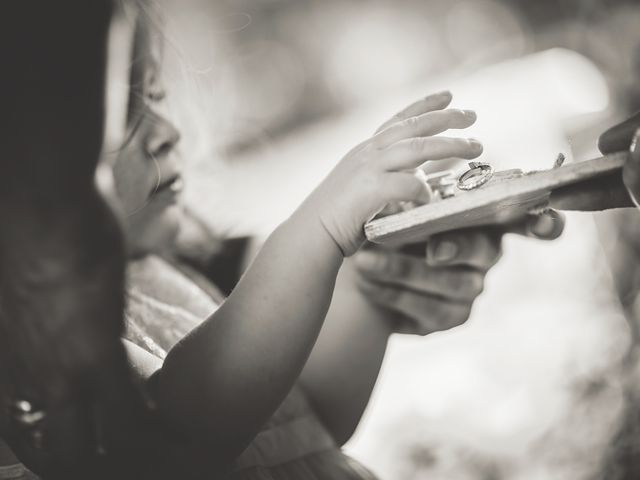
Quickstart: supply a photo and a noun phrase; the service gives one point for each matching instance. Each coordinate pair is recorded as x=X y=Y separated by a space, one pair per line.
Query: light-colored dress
x=164 y=303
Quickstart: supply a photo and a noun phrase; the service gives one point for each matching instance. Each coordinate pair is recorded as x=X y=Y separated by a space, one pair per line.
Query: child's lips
x=170 y=188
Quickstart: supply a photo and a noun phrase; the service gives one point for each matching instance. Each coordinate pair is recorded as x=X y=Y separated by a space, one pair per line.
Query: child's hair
x=148 y=34
x=68 y=402
x=191 y=99
x=61 y=252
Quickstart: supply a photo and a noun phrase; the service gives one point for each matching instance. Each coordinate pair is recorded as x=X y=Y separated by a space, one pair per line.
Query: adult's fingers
x=602 y=193
x=426 y=314
x=618 y=138
x=608 y=191
x=548 y=225
x=436 y=101
x=413 y=152
x=402 y=271
x=475 y=247
x=615 y=190
x=427 y=124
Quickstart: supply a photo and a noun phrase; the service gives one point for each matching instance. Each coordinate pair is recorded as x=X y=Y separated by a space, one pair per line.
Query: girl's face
x=147 y=171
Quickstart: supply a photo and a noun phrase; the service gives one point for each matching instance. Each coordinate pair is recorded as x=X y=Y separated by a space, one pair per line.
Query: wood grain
x=496 y=202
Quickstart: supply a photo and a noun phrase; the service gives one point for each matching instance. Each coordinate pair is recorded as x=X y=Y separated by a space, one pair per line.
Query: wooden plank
x=494 y=203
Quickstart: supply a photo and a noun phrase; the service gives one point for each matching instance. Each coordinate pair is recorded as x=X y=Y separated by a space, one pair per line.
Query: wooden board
x=494 y=203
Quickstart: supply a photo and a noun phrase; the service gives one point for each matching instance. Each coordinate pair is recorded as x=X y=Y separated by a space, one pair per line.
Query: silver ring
x=478 y=174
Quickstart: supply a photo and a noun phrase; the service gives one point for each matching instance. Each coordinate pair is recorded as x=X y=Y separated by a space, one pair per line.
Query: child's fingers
x=427 y=124
x=413 y=152
x=437 y=101
x=405 y=186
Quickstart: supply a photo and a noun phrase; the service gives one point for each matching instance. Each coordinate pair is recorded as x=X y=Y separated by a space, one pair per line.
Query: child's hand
x=382 y=169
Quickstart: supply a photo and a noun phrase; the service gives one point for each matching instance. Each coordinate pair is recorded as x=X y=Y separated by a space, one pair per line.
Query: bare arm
x=398 y=291
x=225 y=379
x=228 y=376
x=344 y=365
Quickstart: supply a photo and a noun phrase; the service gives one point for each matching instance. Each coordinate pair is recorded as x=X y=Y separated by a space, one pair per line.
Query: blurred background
x=271 y=93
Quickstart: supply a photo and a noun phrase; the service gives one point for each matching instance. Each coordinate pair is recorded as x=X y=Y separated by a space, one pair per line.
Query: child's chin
x=159 y=235
x=169 y=224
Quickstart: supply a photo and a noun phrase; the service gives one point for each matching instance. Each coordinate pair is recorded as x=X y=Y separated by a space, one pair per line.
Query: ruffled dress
x=164 y=302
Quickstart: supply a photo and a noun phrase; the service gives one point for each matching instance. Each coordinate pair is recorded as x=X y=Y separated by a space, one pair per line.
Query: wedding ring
x=478 y=174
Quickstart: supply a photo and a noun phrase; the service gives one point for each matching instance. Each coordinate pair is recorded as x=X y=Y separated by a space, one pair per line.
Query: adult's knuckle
x=467 y=284
x=456 y=281
x=484 y=258
x=398 y=267
x=475 y=283
x=389 y=296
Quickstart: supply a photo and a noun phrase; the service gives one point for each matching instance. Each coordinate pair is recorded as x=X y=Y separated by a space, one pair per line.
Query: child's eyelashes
x=156 y=96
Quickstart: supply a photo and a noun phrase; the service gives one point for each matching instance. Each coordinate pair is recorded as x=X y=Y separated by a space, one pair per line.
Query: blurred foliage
x=279 y=64
x=262 y=69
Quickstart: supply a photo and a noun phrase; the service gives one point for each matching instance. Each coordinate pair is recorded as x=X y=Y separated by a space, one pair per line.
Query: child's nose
x=163 y=138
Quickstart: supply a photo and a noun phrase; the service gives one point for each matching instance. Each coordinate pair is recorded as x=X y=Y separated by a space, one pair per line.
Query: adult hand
x=614 y=190
x=421 y=296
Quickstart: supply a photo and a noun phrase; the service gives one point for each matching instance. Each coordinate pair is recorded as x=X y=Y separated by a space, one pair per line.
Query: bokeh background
x=271 y=93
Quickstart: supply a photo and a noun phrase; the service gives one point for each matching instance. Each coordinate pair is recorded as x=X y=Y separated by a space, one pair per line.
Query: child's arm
x=227 y=377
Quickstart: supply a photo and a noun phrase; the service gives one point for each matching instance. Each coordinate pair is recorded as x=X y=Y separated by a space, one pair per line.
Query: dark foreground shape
x=69 y=406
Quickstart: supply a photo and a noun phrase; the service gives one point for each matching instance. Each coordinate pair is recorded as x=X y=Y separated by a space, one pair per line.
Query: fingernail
x=634 y=141
x=443 y=251
x=543 y=226
x=443 y=93
x=367 y=260
x=470 y=114
x=476 y=144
